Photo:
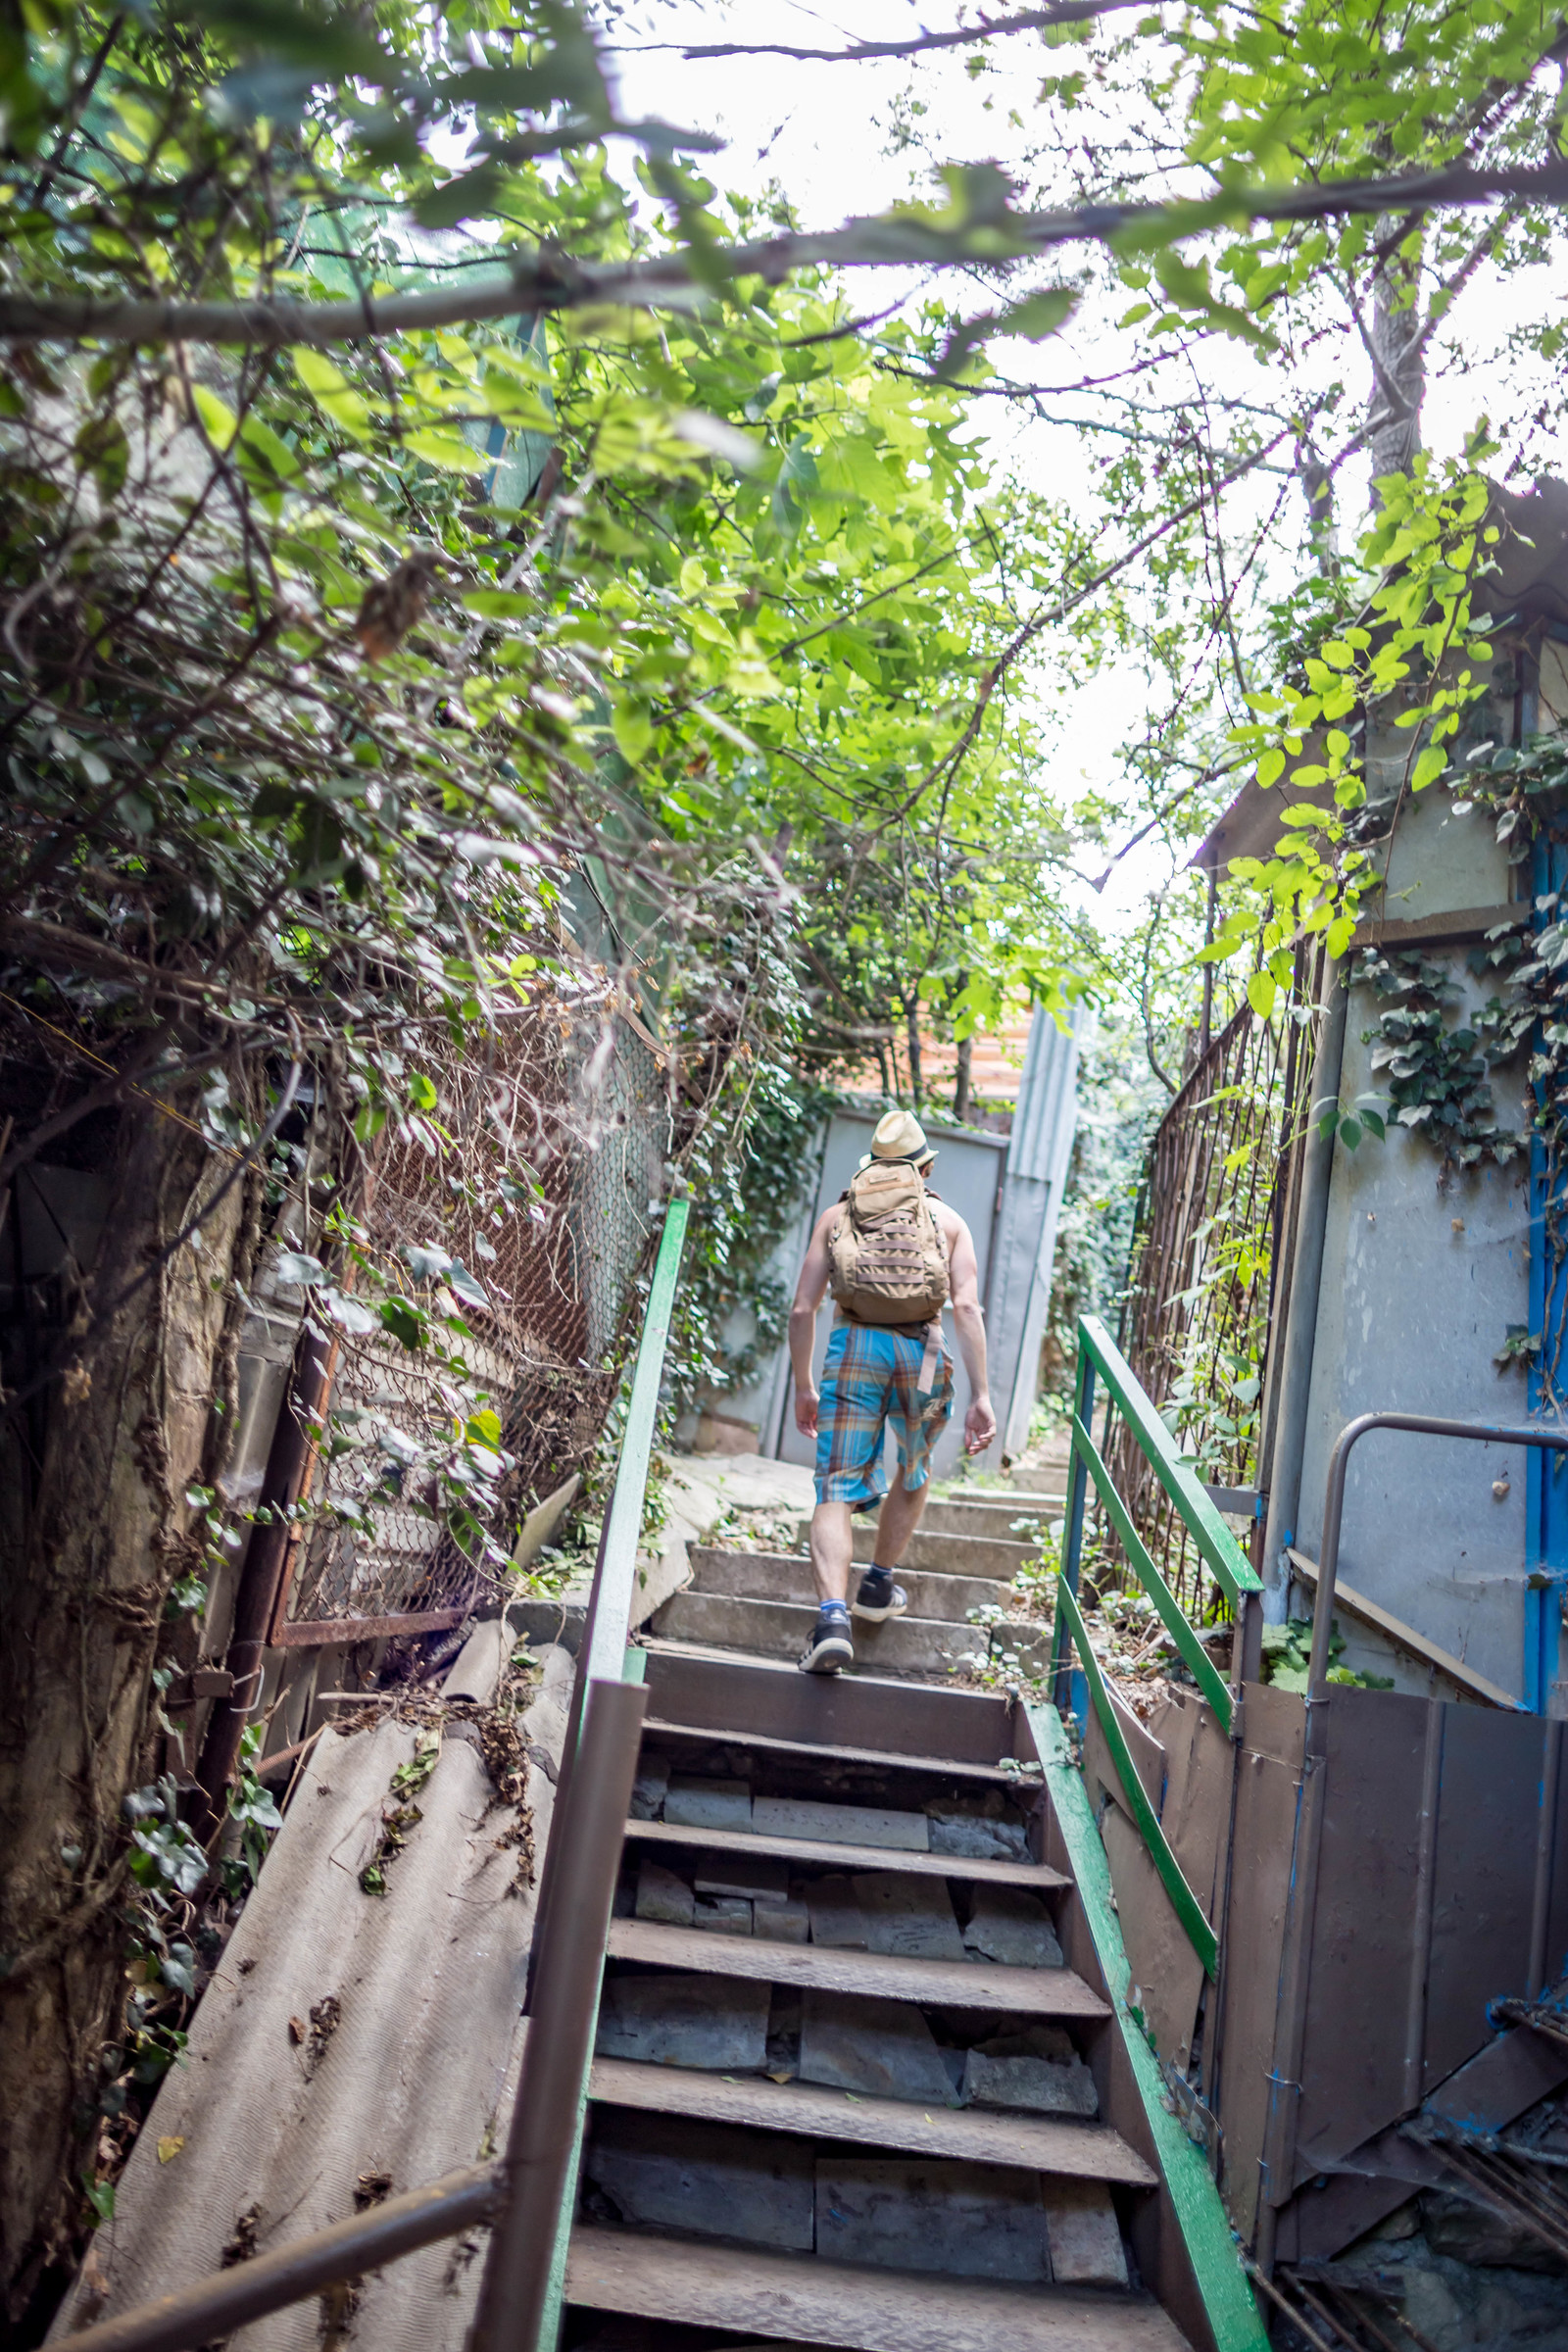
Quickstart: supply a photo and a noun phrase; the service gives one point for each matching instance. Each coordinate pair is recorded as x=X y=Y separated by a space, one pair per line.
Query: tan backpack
x=887 y=1260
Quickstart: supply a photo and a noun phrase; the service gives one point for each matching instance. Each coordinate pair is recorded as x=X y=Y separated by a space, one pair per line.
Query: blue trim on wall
x=1546 y=1492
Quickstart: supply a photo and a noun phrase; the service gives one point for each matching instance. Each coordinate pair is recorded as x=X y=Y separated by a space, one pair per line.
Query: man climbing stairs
x=857 y=2079
x=958 y=1568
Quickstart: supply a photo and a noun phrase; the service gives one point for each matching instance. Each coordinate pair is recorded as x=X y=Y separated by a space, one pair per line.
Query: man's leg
x=896 y=1521
x=832 y=1547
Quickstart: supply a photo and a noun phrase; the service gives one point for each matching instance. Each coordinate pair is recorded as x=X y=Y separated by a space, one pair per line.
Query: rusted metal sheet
x=1359 y=1991
x=1199 y=1766
x=1148 y=1755
x=964 y=1727
x=1268 y=1793
x=1485 y=1879
x=1333 y=2212
x=1167 y=1976
x=1501 y=2082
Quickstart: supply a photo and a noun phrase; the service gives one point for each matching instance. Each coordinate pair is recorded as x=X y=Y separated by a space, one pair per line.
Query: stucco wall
x=1420 y=1284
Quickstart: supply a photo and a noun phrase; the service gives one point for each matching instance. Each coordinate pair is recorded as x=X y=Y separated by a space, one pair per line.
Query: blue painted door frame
x=1546 y=1494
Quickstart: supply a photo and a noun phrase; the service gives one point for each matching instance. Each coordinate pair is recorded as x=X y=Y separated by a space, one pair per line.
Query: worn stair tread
x=1036 y=1875
x=903 y=1646
x=804 y=2300
x=771 y=1574
x=996 y=1556
x=694 y=1734
x=1042 y=2143
x=937 y=1984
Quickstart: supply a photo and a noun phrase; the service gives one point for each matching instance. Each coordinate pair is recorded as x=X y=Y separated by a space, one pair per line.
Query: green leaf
x=1260 y=994
x=633 y=730
x=218 y=421
x=403 y=1321
x=103 y=449
x=446 y=451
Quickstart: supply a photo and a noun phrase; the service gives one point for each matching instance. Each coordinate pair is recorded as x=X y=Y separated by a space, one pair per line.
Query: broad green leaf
x=446 y=451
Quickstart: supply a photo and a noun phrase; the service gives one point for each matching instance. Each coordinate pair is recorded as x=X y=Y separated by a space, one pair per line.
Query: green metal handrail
x=1100 y=1359
x=607 y=1654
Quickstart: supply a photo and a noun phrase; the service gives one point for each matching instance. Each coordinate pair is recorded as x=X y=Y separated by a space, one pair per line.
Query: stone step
x=665 y=1729
x=802 y=2299
x=778 y=1629
x=989 y=1516
x=1039 y=1875
x=1041 y=2143
x=931 y=1983
x=993 y=1556
x=787 y=1576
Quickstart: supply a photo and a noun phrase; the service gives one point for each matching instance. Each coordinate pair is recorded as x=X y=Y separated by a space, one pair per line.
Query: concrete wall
x=1420 y=1283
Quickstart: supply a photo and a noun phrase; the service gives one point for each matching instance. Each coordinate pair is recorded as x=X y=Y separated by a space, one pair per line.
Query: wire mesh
x=576 y=1095
x=1209 y=1257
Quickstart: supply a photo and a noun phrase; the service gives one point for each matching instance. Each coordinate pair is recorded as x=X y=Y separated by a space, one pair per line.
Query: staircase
x=962 y=1562
x=856 y=2082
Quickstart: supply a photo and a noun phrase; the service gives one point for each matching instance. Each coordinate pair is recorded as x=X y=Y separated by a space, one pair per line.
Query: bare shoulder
x=949 y=1221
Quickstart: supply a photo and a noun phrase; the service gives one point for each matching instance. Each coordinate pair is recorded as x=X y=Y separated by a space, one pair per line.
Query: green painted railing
x=1228 y=2302
x=607 y=1654
x=1101 y=1363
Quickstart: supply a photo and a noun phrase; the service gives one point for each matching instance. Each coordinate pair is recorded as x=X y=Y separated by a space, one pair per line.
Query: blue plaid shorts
x=869 y=1382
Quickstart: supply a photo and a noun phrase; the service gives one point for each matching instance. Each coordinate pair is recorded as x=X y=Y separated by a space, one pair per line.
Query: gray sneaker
x=879 y=1598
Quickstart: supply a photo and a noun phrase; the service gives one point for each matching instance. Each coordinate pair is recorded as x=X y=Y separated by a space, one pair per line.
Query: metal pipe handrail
x=231 y=2299
x=543 y=2138
x=1428 y=1425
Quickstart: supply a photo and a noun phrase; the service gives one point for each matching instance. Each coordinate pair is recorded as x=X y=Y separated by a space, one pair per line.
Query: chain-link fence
x=580 y=1096
x=1208 y=1258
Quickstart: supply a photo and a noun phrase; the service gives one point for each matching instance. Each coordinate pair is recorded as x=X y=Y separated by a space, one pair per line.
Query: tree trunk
x=961 y=1088
x=911 y=1025
x=1399 y=372
x=96 y=1532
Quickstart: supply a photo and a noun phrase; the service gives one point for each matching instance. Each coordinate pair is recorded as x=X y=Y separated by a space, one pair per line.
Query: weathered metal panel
x=1269 y=1786
x=1199 y=1767
x=1099 y=1767
x=1358 y=1991
x=964 y=1727
x=1167 y=1975
x=1485 y=1880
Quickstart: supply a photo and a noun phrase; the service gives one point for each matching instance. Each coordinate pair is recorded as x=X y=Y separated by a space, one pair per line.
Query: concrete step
x=1041 y=2143
x=989 y=1516
x=993 y=1556
x=802 y=2299
x=931 y=1983
x=780 y=1629
x=787 y=1576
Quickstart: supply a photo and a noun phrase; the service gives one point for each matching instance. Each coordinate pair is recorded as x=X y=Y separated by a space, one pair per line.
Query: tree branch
x=557 y=283
x=1031 y=19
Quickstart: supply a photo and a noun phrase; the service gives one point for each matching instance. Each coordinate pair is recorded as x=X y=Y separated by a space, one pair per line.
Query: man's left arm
x=969 y=1329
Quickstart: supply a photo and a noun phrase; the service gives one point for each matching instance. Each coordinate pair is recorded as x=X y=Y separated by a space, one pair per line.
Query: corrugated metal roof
x=429 y=1983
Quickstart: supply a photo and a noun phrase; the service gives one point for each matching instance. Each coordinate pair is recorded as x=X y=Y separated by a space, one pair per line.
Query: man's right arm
x=809 y=1293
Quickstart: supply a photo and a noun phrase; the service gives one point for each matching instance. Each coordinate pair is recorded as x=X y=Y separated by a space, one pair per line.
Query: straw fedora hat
x=900 y=1136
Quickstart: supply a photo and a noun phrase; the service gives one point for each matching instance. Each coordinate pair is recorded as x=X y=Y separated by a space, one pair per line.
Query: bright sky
x=826 y=134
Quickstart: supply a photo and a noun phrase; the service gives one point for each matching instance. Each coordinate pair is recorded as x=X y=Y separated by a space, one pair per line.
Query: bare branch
x=557 y=283
x=1031 y=19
